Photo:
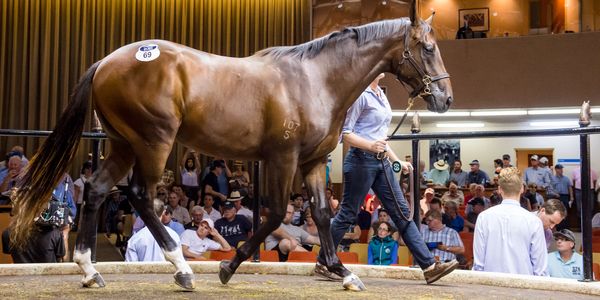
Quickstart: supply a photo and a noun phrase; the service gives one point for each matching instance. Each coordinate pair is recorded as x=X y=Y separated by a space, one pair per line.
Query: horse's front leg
x=328 y=264
x=281 y=170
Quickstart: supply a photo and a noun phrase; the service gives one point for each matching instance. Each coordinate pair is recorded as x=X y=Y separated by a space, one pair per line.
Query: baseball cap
x=218 y=164
x=559 y=166
x=544 y=160
x=476 y=201
x=429 y=191
x=228 y=204
x=534 y=157
x=506 y=157
x=566 y=234
x=209 y=222
x=474 y=162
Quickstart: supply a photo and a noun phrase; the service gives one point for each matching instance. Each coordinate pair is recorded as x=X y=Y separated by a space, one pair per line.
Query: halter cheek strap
x=426 y=79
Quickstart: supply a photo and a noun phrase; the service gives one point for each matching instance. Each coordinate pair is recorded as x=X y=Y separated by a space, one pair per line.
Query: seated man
x=289 y=238
x=297 y=202
x=565 y=262
x=451 y=218
x=478 y=192
x=166 y=219
x=442 y=241
x=439 y=174
x=453 y=194
x=142 y=246
x=195 y=243
x=197 y=215
x=236 y=198
x=478 y=207
x=234 y=228
x=46 y=245
x=209 y=210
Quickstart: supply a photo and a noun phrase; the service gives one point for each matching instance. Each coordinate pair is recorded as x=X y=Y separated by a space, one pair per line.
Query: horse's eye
x=429 y=48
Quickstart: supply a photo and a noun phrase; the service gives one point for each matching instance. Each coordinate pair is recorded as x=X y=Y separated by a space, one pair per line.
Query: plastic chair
x=362 y=250
x=404 y=256
x=222 y=255
x=297 y=256
x=596 y=271
x=348 y=257
x=269 y=255
x=465 y=235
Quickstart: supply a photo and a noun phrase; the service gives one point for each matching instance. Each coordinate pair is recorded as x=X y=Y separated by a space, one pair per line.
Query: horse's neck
x=349 y=74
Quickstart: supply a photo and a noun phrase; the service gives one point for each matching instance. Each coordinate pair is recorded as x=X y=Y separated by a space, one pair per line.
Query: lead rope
x=397 y=167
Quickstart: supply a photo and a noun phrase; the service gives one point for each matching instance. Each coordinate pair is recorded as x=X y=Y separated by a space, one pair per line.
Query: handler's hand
x=407 y=167
x=378 y=146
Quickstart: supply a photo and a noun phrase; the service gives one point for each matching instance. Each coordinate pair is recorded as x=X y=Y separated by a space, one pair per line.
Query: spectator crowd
x=463 y=215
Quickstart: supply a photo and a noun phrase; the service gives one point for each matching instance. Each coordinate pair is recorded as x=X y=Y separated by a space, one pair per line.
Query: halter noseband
x=426 y=79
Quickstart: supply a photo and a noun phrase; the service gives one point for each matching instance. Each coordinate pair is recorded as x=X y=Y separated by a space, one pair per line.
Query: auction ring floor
x=268 y=281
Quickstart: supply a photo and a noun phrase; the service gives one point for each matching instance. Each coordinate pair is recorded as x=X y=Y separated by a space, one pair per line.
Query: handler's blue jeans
x=361 y=172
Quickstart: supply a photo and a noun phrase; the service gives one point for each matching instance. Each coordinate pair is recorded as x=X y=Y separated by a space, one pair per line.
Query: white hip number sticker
x=147 y=52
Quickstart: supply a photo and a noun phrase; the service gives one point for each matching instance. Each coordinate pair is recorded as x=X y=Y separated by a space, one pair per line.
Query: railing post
x=586 y=201
x=416 y=177
x=256 y=206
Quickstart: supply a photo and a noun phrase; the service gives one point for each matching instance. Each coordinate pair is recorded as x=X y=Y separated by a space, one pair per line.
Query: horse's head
x=419 y=64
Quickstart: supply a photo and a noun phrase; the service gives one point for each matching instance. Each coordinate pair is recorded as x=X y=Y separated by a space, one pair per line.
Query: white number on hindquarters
x=290 y=128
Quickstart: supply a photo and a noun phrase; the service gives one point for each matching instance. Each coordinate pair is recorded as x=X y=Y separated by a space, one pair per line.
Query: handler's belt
x=378 y=156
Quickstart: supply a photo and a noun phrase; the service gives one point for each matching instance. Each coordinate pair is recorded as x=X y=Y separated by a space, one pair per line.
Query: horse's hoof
x=95 y=279
x=353 y=283
x=185 y=280
x=225 y=273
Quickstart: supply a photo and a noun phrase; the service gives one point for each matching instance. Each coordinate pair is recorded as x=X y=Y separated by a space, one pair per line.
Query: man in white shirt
x=508 y=238
x=195 y=243
x=209 y=211
x=142 y=246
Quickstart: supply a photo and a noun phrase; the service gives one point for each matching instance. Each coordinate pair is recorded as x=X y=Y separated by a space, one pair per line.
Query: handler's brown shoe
x=439 y=270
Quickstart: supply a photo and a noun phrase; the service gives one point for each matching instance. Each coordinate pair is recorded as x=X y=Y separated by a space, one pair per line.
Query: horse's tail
x=46 y=168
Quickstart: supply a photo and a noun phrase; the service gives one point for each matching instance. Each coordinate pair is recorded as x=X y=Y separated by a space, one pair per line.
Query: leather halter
x=426 y=79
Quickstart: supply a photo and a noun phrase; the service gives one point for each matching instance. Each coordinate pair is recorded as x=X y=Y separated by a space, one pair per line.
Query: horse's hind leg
x=147 y=172
x=281 y=170
x=314 y=178
x=112 y=169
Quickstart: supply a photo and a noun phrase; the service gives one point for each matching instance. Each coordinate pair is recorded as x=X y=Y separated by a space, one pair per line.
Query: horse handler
x=365 y=129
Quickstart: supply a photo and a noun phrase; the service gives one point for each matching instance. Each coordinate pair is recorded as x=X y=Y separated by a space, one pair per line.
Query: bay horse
x=284 y=106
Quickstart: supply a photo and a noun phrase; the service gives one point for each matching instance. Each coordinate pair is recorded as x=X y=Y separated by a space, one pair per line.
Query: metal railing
x=586 y=197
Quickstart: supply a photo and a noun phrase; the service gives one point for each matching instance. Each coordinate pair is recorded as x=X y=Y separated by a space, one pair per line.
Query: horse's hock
x=277 y=281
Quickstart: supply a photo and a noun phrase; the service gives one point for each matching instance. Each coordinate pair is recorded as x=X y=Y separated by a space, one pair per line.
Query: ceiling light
x=340 y=5
x=460 y=125
x=446 y=114
x=554 y=124
x=564 y=111
x=493 y=112
x=383 y=2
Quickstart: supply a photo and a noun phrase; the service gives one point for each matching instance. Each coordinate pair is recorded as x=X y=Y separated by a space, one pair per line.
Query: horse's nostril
x=449 y=101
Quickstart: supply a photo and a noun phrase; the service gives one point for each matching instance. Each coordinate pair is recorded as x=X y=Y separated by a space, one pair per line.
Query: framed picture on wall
x=478 y=18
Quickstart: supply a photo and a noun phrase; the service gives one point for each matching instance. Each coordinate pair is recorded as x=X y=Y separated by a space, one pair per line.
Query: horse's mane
x=362 y=34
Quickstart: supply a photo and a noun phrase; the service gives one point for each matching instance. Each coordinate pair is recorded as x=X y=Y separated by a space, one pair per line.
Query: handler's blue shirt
x=370 y=116
x=573 y=268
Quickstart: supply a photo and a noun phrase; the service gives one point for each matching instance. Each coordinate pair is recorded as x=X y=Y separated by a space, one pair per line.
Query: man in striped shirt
x=442 y=241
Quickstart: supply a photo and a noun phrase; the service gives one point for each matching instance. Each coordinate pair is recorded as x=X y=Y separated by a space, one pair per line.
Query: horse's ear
x=430 y=19
x=413 y=13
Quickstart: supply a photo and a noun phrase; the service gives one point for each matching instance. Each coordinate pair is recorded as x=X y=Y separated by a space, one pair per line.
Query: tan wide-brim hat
x=441 y=165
